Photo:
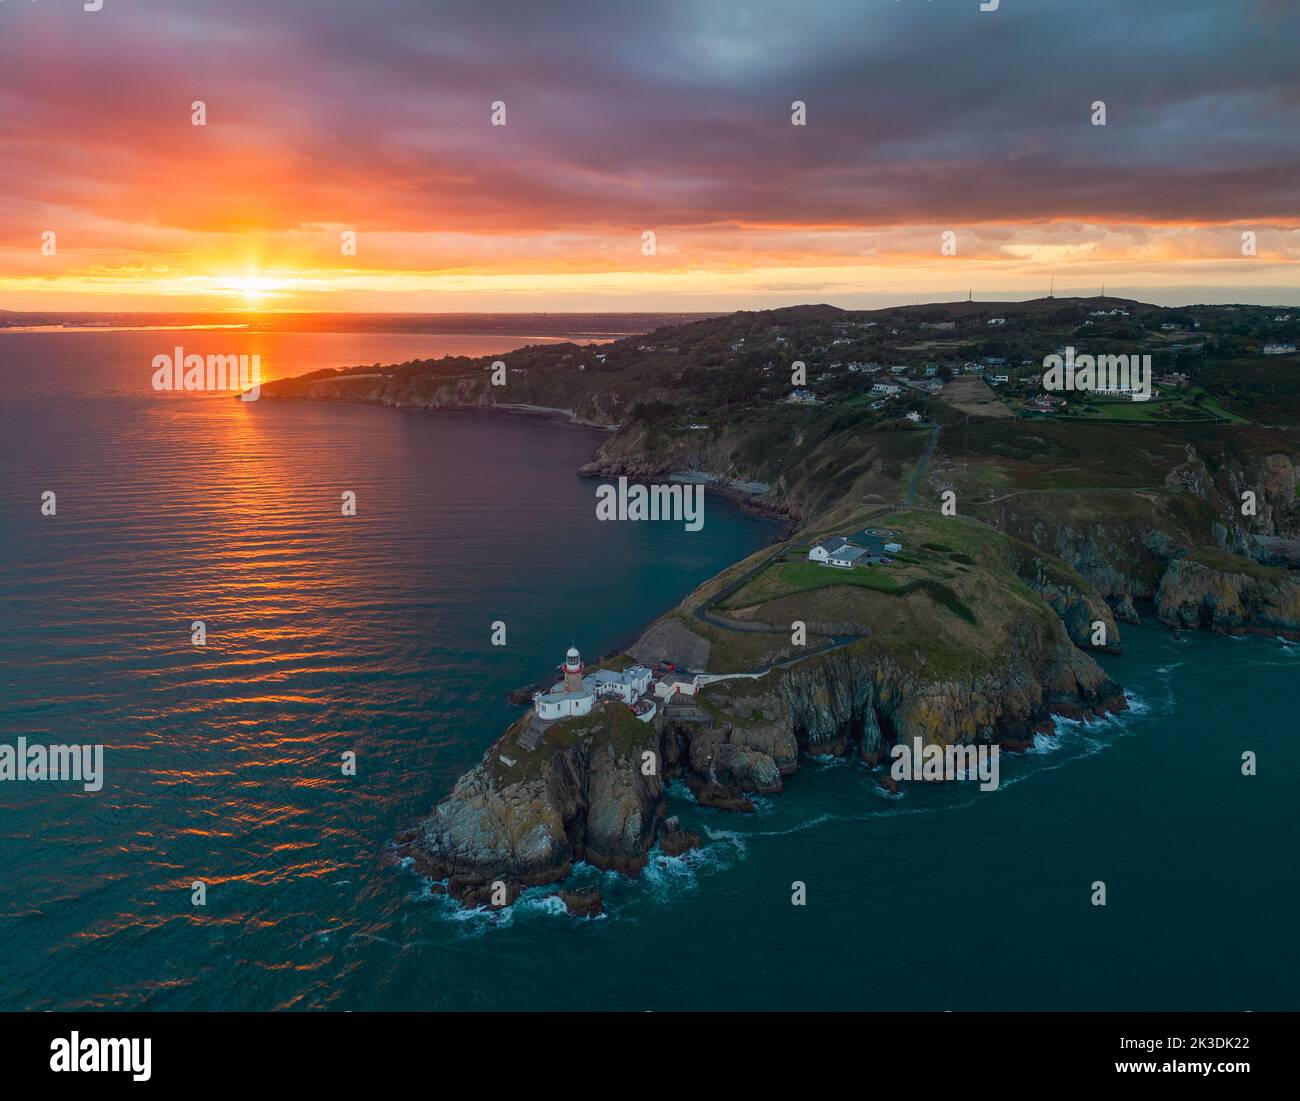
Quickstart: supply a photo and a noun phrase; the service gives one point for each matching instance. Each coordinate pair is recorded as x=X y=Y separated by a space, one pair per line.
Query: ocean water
x=370 y=634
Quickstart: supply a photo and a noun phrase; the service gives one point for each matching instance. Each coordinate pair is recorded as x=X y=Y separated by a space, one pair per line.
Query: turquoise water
x=370 y=634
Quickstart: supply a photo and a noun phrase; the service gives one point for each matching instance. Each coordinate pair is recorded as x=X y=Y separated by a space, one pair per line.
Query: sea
x=330 y=639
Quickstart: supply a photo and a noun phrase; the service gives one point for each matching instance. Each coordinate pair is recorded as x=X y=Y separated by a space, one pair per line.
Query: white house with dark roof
x=836 y=551
x=870 y=547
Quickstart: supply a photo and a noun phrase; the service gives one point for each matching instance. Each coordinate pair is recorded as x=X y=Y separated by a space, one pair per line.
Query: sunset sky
x=672 y=116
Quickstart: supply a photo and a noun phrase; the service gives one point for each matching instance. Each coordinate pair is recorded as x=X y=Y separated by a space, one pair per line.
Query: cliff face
x=584 y=793
x=846 y=700
x=1135 y=548
x=1221 y=480
x=1070 y=597
x=523 y=818
x=1195 y=595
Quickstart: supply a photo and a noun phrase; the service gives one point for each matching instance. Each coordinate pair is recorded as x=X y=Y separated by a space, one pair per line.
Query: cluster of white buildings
x=575 y=694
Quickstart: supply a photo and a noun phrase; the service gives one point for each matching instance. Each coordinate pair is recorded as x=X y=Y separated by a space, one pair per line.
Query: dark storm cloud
x=667 y=113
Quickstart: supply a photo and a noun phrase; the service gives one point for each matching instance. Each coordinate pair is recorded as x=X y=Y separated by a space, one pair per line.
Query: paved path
x=919 y=473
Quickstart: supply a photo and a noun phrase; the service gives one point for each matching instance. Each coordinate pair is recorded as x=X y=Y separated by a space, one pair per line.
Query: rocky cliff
x=522 y=818
x=1252 y=599
x=594 y=789
x=1200 y=553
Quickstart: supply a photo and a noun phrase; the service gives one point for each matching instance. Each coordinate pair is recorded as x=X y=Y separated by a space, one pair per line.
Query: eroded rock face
x=623 y=807
x=676 y=842
x=1194 y=595
x=487 y=830
x=584 y=903
x=842 y=699
x=726 y=756
x=1138 y=562
x=527 y=823
x=1078 y=610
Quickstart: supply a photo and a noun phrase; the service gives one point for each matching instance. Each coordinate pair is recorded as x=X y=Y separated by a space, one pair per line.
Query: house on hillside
x=863 y=548
x=836 y=551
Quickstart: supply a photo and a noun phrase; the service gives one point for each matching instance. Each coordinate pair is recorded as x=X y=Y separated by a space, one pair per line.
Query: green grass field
x=936 y=551
x=1171 y=407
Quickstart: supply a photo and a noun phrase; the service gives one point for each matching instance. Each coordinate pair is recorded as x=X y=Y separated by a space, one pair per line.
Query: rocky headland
x=981 y=634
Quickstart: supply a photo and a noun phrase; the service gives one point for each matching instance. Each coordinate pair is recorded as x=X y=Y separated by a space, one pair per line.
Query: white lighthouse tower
x=568 y=696
x=572 y=670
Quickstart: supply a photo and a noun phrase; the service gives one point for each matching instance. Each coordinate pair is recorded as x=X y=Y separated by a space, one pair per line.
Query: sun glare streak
x=254 y=289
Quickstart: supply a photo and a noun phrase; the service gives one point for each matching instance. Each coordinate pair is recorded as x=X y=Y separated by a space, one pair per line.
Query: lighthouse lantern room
x=572 y=669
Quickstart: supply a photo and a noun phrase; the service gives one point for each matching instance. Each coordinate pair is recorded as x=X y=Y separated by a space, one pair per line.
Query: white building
x=569 y=696
x=890 y=388
x=575 y=695
x=836 y=551
x=628 y=686
x=1278 y=349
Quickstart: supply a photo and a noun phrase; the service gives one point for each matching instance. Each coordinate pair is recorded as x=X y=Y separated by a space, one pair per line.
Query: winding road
x=703 y=611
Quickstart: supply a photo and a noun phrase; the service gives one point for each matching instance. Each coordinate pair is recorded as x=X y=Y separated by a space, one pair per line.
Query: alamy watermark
x=684 y=503
x=919 y=761
x=1122 y=375
x=181 y=372
x=82 y=763
x=128 y=1055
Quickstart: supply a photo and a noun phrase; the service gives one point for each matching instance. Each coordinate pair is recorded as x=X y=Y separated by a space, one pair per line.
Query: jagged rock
x=711 y=794
x=523 y=697
x=623 y=807
x=1124 y=610
x=473 y=893
x=582 y=795
x=726 y=755
x=676 y=842
x=748 y=769
x=585 y=902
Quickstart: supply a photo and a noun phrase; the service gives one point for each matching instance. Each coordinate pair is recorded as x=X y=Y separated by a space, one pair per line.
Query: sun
x=254 y=288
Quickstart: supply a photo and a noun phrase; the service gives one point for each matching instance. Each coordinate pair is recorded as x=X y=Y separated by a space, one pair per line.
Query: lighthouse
x=572 y=670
